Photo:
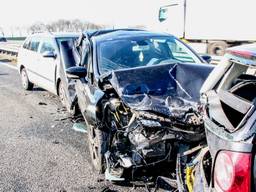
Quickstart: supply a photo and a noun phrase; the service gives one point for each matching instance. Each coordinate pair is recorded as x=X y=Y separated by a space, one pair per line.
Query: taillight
x=232 y=172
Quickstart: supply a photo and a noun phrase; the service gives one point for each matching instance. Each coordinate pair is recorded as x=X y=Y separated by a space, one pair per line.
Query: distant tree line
x=64 y=26
x=61 y=25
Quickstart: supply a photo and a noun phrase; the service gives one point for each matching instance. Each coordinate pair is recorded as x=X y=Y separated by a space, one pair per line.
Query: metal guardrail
x=10 y=48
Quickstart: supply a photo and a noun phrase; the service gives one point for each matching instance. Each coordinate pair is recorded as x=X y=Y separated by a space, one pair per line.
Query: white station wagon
x=39 y=63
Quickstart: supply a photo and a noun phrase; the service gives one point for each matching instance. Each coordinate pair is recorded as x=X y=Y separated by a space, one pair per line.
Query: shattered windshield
x=142 y=51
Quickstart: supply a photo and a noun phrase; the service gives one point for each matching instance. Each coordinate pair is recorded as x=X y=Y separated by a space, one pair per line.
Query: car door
x=87 y=90
x=23 y=53
x=30 y=59
x=68 y=59
x=47 y=63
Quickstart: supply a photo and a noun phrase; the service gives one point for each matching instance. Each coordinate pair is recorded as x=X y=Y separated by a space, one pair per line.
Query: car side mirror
x=49 y=54
x=76 y=72
x=163 y=14
x=206 y=58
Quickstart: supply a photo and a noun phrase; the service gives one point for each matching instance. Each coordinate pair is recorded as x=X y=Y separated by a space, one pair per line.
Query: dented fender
x=88 y=105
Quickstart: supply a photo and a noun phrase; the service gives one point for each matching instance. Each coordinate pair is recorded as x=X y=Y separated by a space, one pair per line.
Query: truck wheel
x=98 y=142
x=217 y=48
x=26 y=84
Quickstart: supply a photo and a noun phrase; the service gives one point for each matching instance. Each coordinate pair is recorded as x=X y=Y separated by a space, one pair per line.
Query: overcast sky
x=112 y=12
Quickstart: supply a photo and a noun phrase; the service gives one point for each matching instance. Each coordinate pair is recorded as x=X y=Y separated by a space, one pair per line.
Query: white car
x=39 y=63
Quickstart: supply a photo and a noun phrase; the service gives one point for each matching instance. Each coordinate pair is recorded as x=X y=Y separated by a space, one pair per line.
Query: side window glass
x=26 y=44
x=47 y=46
x=180 y=52
x=33 y=45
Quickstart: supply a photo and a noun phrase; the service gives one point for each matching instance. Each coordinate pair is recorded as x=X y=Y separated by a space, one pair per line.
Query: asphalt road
x=38 y=149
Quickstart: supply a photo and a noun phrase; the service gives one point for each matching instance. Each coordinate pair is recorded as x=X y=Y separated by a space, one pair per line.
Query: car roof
x=55 y=34
x=107 y=34
x=245 y=54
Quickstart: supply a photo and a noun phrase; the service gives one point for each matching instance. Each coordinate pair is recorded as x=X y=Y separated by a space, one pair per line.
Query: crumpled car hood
x=165 y=89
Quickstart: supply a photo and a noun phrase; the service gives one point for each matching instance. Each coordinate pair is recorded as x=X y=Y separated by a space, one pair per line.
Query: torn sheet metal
x=165 y=89
x=79 y=127
x=157 y=112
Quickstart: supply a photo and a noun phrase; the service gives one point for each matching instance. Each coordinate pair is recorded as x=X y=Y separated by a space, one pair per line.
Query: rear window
x=235 y=97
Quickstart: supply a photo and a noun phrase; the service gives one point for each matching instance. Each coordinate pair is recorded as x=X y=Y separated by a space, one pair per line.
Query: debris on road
x=62 y=119
x=42 y=103
x=79 y=127
x=56 y=142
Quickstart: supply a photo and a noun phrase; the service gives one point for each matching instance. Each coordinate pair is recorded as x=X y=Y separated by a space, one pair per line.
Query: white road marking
x=8 y=65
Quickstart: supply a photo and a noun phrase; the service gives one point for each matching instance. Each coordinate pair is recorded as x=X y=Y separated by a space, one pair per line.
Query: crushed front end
x=150 y=119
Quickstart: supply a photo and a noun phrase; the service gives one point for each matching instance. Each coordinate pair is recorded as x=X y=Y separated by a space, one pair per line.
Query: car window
x=68 y=44
x=47 y=46
x=180 y=52
x=26 y=44
x=2 y=39
x=33 y=45
x=234 y=96
x=61 y=39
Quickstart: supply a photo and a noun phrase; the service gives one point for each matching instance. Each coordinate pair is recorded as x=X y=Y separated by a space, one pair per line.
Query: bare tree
x=62 y=25
x=37 y=27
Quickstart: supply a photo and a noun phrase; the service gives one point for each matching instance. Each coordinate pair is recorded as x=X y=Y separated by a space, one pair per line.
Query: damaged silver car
x=138 y=92
x=226 y=162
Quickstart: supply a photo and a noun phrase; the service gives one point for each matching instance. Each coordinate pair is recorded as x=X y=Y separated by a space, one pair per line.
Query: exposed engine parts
x=146 y=114
x=140 y=139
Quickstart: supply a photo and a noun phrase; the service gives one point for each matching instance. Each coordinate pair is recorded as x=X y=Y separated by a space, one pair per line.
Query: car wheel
x=26 y=84
x=217 y=48
x=98 y=142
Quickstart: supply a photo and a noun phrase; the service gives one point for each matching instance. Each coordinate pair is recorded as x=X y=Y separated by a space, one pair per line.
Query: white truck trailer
x=216 y=23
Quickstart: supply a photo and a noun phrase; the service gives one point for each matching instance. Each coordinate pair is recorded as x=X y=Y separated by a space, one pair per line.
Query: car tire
x=98 y=145
x=26 y=84
x=217 y=48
